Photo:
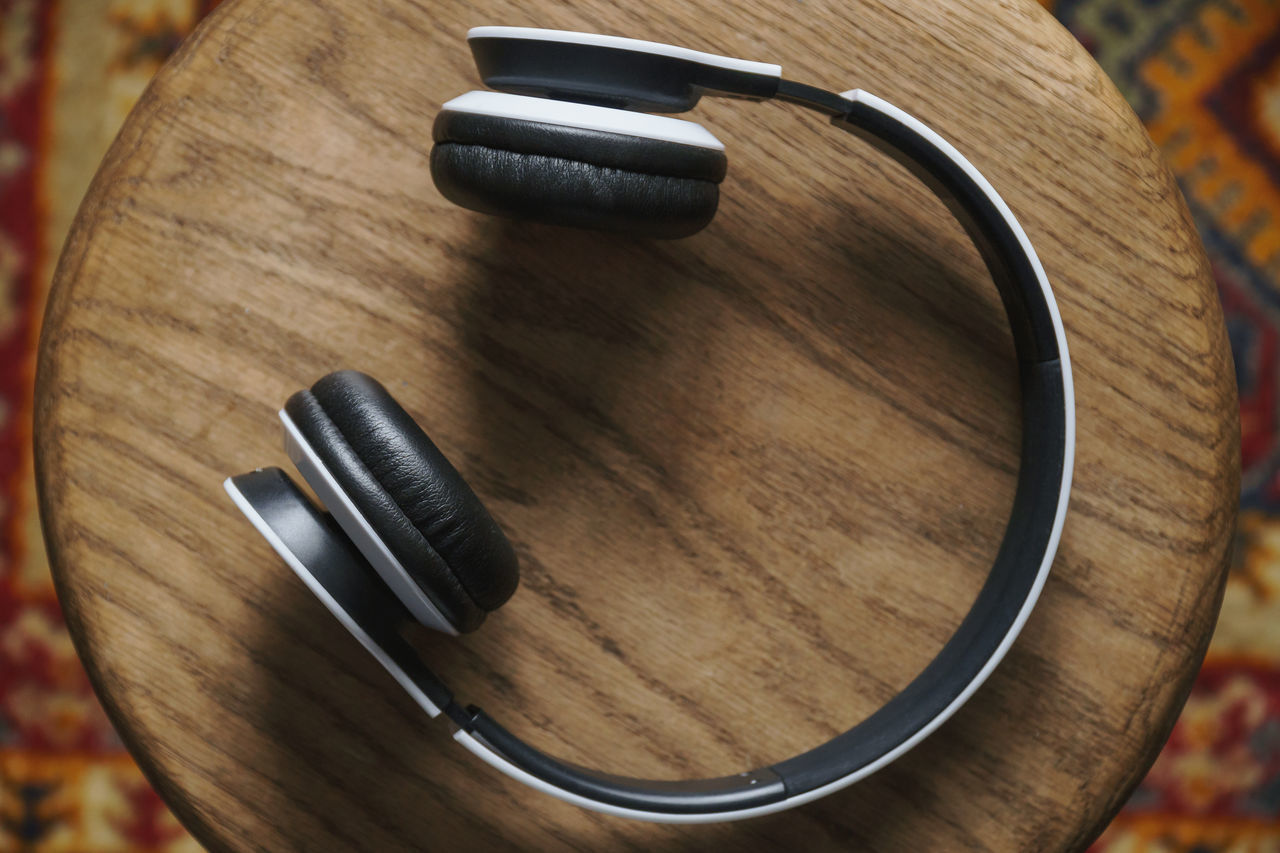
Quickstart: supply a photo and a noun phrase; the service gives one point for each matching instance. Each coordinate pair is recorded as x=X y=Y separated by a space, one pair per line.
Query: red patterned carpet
x=1203 y=74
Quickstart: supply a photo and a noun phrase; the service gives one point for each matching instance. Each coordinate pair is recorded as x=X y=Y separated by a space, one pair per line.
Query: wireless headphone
x=405 y=537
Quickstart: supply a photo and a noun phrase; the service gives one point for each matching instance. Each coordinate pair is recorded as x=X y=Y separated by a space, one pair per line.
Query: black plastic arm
x=1009 y=264
x=725 y=793
x=1013 y=580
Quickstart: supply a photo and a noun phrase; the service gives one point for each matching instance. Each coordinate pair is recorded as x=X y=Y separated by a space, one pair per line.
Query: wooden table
x=754 y=477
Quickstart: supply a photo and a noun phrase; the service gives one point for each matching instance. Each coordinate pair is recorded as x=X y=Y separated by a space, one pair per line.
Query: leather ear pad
x=571 y=176
x=597 y=147
x=411 y=496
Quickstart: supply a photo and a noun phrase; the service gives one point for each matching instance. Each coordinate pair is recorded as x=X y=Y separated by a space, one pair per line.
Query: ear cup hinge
x=814 y=98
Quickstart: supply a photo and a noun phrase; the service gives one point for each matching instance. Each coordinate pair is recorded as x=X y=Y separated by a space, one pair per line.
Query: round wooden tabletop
x=755 y=477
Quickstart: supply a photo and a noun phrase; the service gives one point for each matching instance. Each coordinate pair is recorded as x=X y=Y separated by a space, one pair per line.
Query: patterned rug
x=1204 y=75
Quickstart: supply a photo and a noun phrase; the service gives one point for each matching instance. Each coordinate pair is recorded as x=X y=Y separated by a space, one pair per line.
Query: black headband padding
x=560 y=191
x=994 y=612
x=691 y=796
x=961 y=660
x=597 y=147
x=1013 y=576
x=409 y=493
x=1015 y=277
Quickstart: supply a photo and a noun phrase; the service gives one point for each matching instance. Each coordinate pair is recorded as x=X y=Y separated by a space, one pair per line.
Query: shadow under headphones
x=569 y=139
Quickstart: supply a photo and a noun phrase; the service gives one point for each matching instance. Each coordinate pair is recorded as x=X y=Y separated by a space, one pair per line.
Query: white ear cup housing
x=358 y=529
x=584 y=116
x=582 y=165
x=620 y=72
x=619 y=43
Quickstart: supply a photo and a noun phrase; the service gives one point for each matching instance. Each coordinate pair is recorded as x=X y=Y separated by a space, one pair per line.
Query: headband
x=646 y=75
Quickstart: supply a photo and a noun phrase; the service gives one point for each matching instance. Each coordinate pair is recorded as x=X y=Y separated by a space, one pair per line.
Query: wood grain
x=754 y=477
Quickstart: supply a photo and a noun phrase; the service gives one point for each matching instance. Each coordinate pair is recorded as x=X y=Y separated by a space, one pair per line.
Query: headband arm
x=1010 y=590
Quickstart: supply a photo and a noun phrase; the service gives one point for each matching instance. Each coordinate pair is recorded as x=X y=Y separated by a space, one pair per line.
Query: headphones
x=569 y=139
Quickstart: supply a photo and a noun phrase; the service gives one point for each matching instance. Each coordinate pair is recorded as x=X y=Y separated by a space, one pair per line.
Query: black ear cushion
x=574 y=176
x=569 y=192
x=597 y=147
x=411 y=495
